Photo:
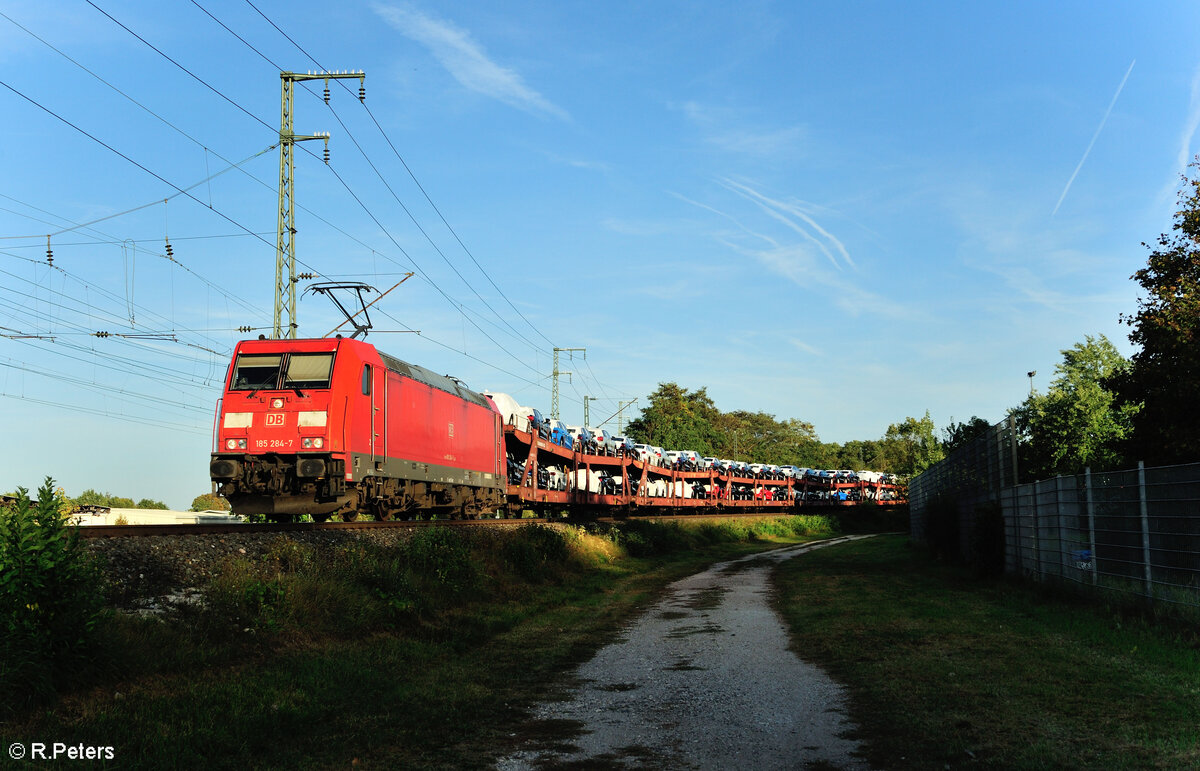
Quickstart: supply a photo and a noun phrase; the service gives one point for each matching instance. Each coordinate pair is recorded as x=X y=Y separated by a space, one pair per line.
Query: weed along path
x=703 y=679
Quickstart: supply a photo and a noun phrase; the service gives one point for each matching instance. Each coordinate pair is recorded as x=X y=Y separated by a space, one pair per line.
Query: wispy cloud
x=725 y=130
x=805 y=346
x=1193 y=123
x=764 y=143
x=729 y=217
x=779 y=209
x=466 y=60
x=802 y=263
x=1095 y=136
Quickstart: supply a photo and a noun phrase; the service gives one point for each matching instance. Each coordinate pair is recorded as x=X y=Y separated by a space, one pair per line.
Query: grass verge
x=947 y=671
x=422 y=655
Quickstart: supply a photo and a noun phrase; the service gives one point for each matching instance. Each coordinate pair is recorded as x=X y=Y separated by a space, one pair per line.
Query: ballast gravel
x=704 y=679
x=155 y=571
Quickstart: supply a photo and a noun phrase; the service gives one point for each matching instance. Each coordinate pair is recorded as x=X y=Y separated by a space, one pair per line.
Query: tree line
x=91 y=497
x=676 y=418
x=1101 y=411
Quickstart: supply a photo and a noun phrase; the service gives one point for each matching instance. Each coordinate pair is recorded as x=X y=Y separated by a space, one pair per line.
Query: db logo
x=274 y=418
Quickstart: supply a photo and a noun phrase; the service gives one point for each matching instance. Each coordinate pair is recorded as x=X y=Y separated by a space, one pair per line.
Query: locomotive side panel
x=435 y=435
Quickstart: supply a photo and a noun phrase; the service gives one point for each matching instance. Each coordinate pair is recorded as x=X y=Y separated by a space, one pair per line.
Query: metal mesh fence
x=971 y=477
x=1135 y=532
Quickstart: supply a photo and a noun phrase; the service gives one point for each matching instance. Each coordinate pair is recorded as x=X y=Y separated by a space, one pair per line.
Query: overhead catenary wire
x=475 y=317
x=114 y=318
x=412 y=175
x=350 y=134
x=333 y=226
x=349 y=190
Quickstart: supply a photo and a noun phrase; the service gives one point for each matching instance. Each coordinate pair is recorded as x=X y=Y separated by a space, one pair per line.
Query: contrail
x=1094 y=136
x=764 y=202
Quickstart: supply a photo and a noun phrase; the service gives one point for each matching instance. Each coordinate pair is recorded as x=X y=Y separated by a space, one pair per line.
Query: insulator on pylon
x=101 y=334
x=49 y=253
x=170 y=251
x=326 y=92
x=305 y=276
x=326 y=155
x=362 y=93
x=245 y=329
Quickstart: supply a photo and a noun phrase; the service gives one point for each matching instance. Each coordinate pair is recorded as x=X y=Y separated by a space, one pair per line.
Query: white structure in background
x=105 y=515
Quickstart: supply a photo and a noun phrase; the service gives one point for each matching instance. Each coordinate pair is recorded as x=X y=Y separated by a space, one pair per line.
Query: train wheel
x=349 y=516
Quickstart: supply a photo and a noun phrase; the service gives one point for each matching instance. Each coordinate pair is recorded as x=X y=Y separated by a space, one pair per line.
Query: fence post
x=1091 y=512
x=1145 y=527
x=1058 y=511
x=1012 y=436
x=1014 y=543
x=1037 y=536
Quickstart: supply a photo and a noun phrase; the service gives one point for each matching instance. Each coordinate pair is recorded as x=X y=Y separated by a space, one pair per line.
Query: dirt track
x=704 y=679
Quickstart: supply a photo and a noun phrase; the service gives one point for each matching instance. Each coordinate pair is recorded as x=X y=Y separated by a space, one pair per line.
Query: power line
x=387 y=185
x=195 y=77
x=190 y=428
x=247 y=230
x=413 y=176
x=334 y=171
x=417 y=181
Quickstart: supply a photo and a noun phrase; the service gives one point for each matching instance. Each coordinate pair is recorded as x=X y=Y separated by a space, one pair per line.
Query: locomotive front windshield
x=308 y=370
x=274 y=371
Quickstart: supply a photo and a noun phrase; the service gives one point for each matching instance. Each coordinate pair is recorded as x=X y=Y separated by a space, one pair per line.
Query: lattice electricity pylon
x=285 y=245
x=554 y=379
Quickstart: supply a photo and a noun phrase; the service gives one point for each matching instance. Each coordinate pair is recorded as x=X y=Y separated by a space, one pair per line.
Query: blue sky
x=846 y=213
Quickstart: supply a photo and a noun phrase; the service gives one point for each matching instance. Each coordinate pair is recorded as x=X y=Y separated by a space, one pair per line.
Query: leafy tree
x=90 y=497
x=1075 y=425
x=911 y=446
x=959 y=434
x=209 y=502
x=860 y=454
x=1164 y=376
x=677 y=419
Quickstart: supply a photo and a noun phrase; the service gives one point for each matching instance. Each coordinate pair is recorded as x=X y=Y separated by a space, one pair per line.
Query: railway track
x=127 y=531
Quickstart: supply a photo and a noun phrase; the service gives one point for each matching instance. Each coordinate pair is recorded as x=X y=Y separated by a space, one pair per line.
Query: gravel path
x=704 y=679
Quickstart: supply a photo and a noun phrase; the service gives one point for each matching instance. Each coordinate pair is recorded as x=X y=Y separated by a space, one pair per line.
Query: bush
x=536 y=552
x=50 y=597
x=442 y=556
x=645 y=538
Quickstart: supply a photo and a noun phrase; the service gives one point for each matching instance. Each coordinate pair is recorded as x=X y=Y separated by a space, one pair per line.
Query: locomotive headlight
x=312 y=442
x=277 y=404
x=235 y=444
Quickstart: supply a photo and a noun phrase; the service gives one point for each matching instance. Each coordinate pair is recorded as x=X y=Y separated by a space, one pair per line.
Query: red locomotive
x=332 y=425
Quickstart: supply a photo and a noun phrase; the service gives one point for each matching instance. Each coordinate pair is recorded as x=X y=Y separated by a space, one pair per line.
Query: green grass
x=423 y=655
x=943 y=669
